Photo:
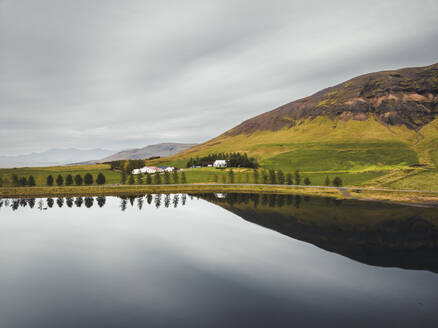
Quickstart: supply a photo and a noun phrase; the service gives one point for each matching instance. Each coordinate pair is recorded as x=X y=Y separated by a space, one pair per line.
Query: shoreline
x=402 y=197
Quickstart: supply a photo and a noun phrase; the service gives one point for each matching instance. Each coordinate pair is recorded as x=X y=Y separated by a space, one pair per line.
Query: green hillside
x=384 y=122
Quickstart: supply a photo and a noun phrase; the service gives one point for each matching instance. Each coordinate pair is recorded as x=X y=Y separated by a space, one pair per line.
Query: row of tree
x=18 y=181
x=78 y=180
x=233 y=160
x=274 y=177
x=126 y=164
x=157 y=178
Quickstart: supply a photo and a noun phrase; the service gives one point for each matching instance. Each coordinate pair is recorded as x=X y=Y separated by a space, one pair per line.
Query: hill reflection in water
x=373 y=233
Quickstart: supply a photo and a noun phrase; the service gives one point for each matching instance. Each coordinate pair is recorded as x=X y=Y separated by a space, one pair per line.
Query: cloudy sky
x=124 y=74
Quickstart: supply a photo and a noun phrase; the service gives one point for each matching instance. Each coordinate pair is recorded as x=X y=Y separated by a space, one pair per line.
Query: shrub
x=31 y=181
x=337 y=182
x=78 y=179
x=88 y=179
x=49 y=180
x=307 y=181
x=101 y=179
x=69 y=180
x=59 y=180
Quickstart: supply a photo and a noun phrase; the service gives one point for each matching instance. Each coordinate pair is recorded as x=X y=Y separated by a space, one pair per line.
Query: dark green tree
x=175 y=176
x=22 y=182
x=140 y=178
x=1 y=181
x=289 y=179
x=327 y=181
x=69 y=180
x=337 y=182
x=265 y=177
x=49 y=180
x=166 y=177
x=272 y=177
x=15 y=181
x=280 y=177
x=255 y=174
x=297 y=177
x=59 y=180
x=247 y=177
x=78 y=180
x=131 y=179
x=88 y=179
x=148 y=179
x=183 y=178
x=215 y=178
x=100 y=179
x=157 y=178
x=31 y=181
x=230 y=176
x=123 y=177
x=307 y=181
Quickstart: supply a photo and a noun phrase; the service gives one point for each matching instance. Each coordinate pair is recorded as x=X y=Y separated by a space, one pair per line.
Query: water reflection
x=373 y=233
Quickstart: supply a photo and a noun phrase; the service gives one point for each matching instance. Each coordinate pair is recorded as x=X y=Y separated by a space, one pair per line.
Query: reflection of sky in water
x=194 y=265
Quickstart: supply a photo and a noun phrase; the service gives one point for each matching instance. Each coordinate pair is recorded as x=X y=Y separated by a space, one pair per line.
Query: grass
x=423 y=180
x=341 y=157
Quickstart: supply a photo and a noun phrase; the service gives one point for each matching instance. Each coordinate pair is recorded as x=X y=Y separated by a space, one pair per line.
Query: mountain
x=58 y=156
x=162 y=150
x=377 y=121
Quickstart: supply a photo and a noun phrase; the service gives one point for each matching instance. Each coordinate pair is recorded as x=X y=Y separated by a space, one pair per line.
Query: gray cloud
x=126 y=74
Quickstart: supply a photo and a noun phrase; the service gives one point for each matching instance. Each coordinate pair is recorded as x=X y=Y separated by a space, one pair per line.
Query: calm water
x=216 y=260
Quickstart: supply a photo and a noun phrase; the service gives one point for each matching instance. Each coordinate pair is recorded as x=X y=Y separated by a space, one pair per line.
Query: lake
x=216 y=260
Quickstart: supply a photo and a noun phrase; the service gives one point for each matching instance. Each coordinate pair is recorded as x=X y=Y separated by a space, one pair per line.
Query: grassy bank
x=399 y=196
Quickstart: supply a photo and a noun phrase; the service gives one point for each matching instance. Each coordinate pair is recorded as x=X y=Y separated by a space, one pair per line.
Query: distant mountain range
x=65 y=156
x=162 y=150
x=58 y=156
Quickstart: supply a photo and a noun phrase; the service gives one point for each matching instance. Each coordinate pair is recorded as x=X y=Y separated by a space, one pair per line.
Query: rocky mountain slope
x=378 y=121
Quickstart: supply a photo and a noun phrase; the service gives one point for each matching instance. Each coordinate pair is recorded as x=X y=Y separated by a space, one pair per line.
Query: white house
x=147 y=169
x=220 y=163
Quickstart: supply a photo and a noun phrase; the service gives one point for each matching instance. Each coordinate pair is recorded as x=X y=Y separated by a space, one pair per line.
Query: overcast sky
x=125 y=74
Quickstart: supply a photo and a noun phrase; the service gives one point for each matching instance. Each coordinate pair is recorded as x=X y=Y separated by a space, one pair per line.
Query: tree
x=183 y=178
x=31 y=181
x=247 y=177
x=337 y=182
x=264 y=177
x=123 y=177
x=49 y=180
x=131 y=179
x=157 y=178
x=140 y=178
x=327 y=181
x=88 y=179
x=230 y=176
x=148 y=179
x=280 y=176
x=175 y=176
x=272 y=177
x=100 y=179
x=256 y=176
x=297 y=177
x=166 y=177
x=69 y=180
x=15 y=181
x=78 y=179
x=59 y=180
x=307 y=181
x=22 y=182
x=1 y=181
x=289 y=179
x=215 y=178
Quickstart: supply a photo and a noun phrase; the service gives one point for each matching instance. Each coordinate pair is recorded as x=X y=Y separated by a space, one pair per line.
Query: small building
x=220 y=163
x=147 y=169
